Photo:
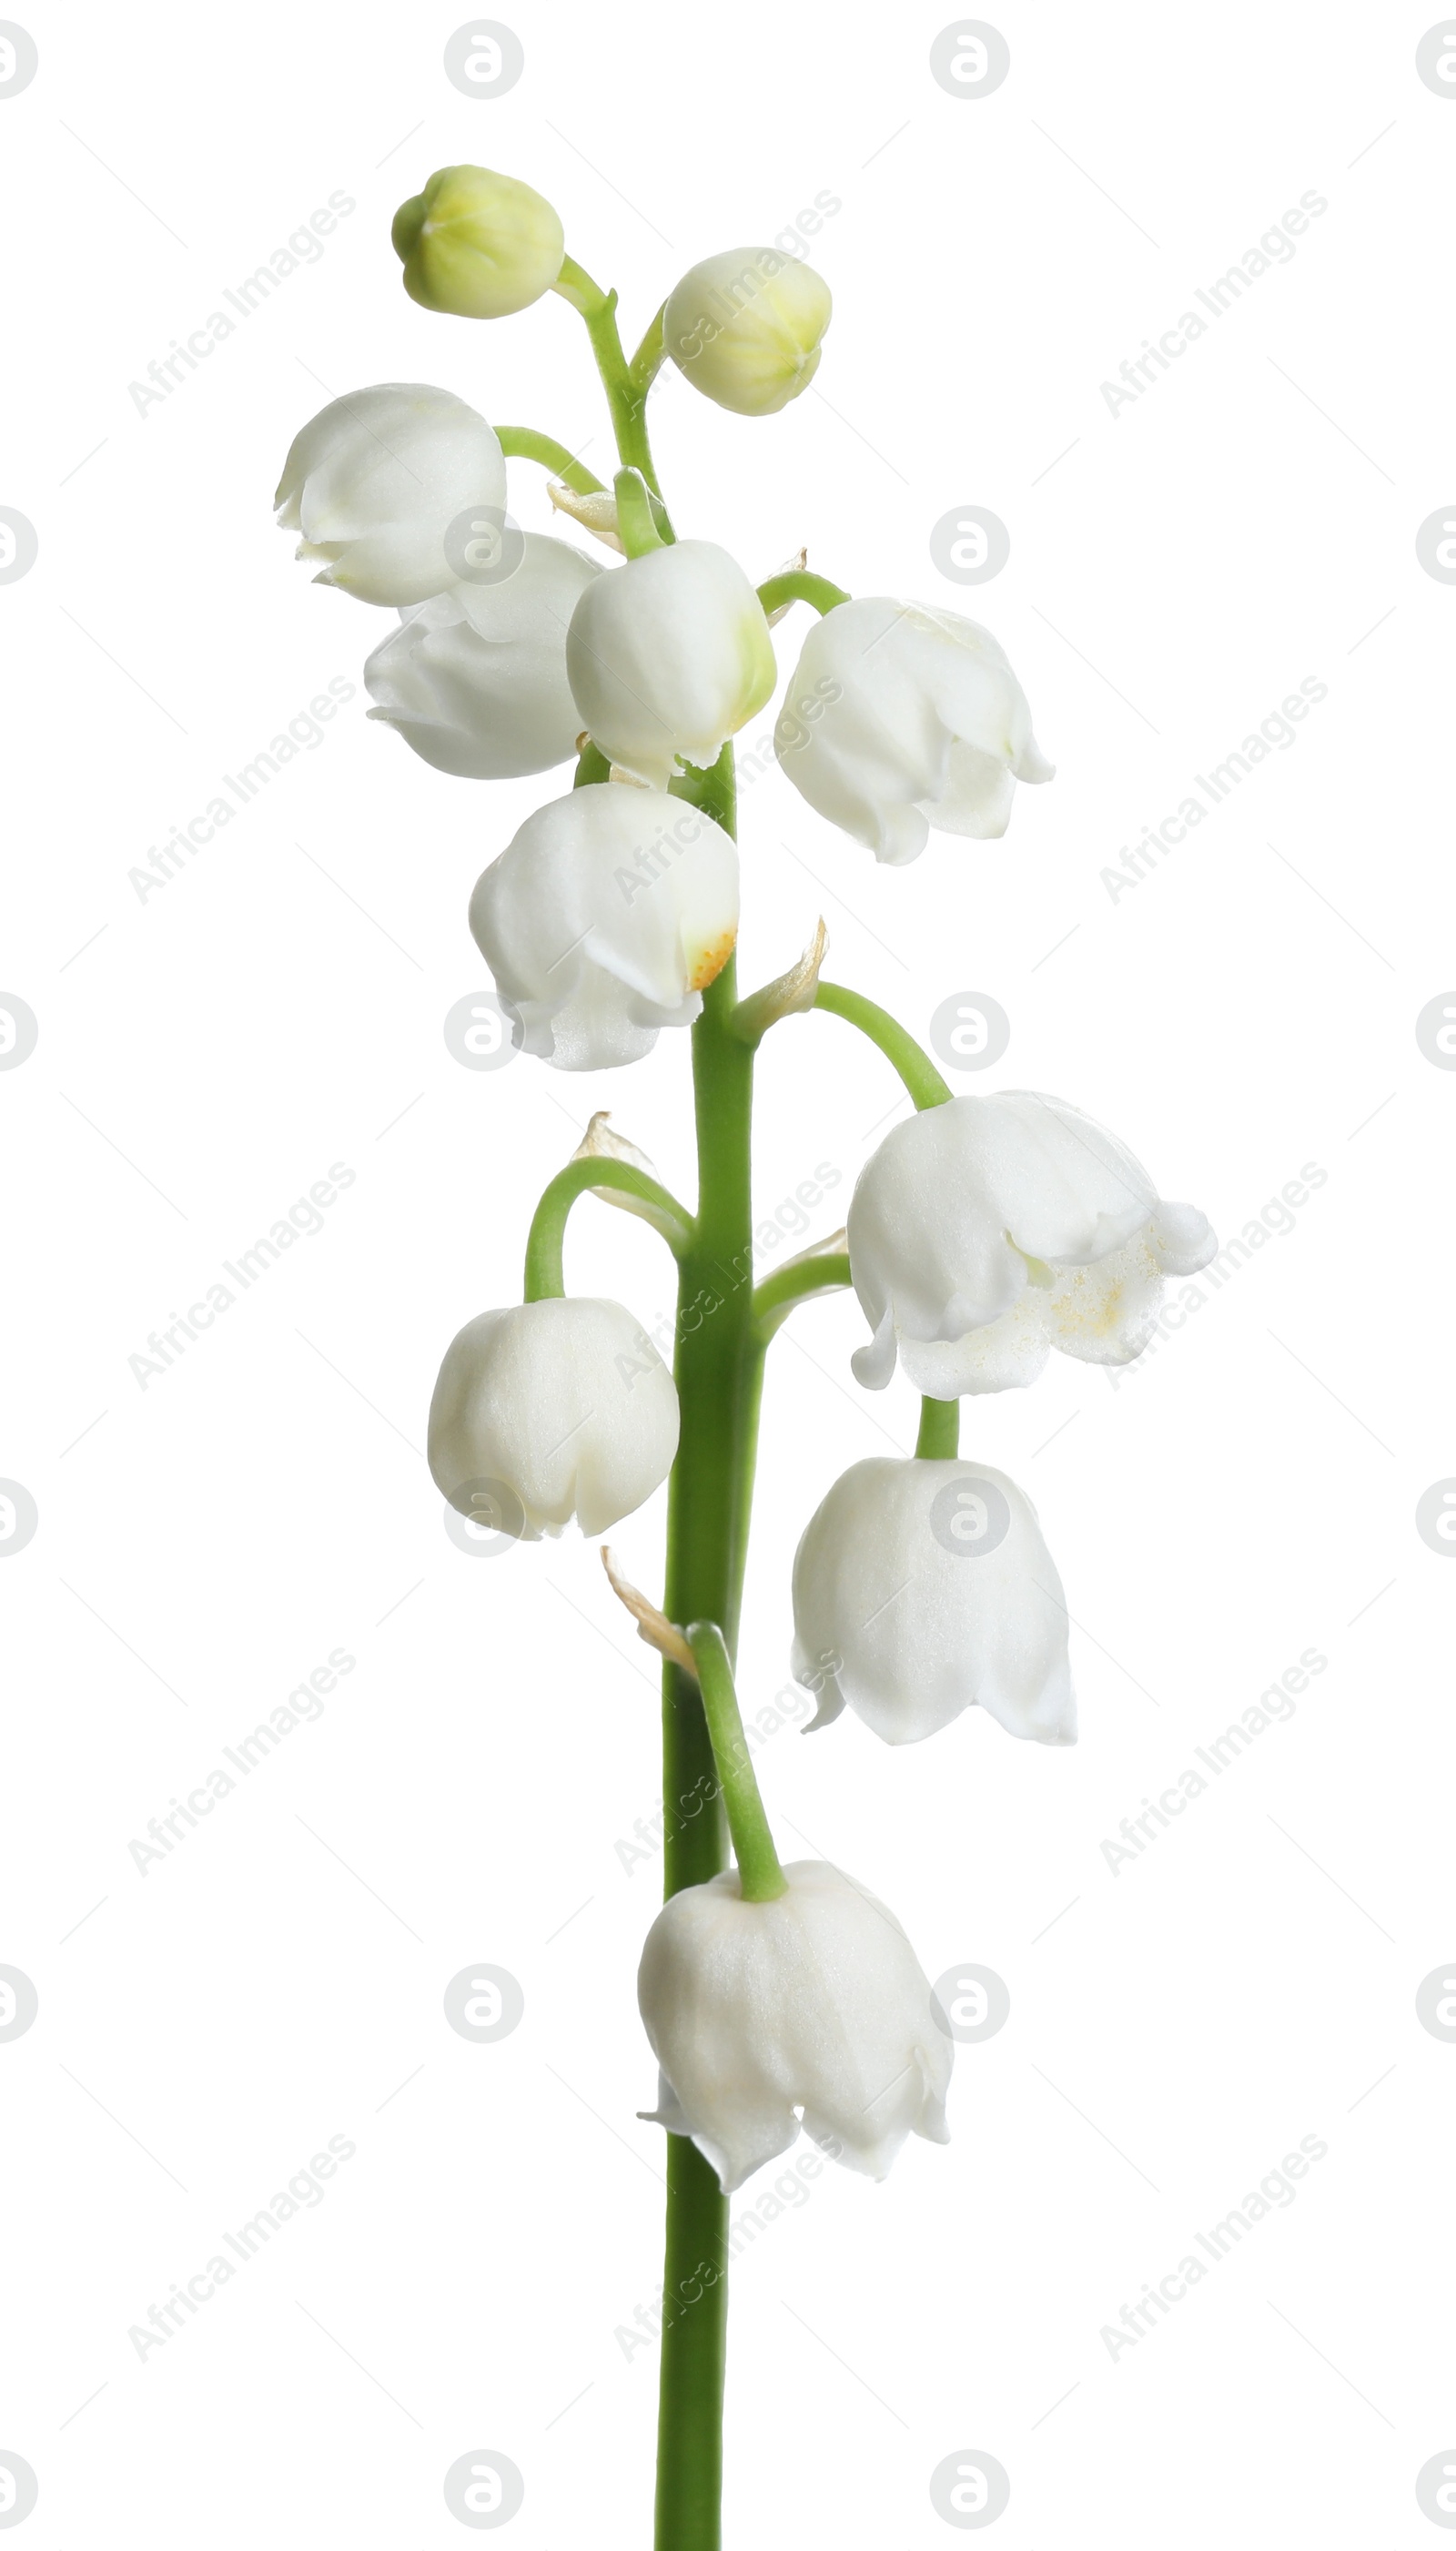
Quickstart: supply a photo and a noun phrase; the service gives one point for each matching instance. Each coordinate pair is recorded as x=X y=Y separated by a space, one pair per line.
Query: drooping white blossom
x=668 y=656
x=899 y=718
x=605 y=919
x=376 y=481
x=922 y=1589
x=814 y=2002
x=548 y=1411
x=476 y=678
x=986 y=1231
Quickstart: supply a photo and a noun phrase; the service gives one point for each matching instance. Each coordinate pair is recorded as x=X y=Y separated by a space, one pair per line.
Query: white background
x=205 y=1054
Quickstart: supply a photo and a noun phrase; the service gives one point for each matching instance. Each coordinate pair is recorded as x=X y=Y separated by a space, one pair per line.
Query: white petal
x=376 y=481
x=926 y=1624
x=667 y=657
x=566 y=1403
x=604 y=919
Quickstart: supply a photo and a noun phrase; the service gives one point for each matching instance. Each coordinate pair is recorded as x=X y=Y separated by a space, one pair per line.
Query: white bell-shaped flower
x=548 y=1410
x=475 y=679
x=605 y=919
x=667 y=657
x=922 y=1589
x=376 y=481
x=745 y=328
x=813 y=2001
x=899 y=718
x=986 y=1231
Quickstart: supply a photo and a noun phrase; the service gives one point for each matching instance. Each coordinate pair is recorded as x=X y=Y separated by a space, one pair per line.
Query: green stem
x=523 y=443
x=651 y=355
x=798 y=1282
x=760 y=1877
x=939 y=1439
x=626 y=397
x=592 y=766
x=796 y=585
x=636 y=517
x=544 y=1278
x=719 y=1372
x=896 y=1043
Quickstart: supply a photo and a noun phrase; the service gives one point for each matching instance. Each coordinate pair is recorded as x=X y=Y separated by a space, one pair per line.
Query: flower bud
x=605 y=920
x=478 y=245
x=922 y=1589
x=815 y=2000
x=377 y=479
x=667 y=657
x=475 y=679
x=555 y=1408
x=745 y=328
x=899 y=718
x=986 y=1231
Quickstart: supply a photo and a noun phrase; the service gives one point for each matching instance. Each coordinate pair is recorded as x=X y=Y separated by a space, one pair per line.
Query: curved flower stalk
x=986 y=1231
x=899 y=719
x=374 y=481
x=475 y=679
x=606 y=920
x=923 y=1588
x=982 y=1233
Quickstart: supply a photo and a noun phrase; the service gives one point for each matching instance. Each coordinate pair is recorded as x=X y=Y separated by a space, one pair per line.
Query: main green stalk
x=720 y=1373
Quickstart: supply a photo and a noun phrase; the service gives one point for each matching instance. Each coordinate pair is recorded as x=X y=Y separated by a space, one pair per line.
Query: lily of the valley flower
x=478 y=244
x=667 y=657
x=550 y=1409
x=922 y=1589
x=745 y=328
x=605 y=919
x=815 y=2000
x=374 y=481
x=899 y=718
x=986 y=1231
x=475 y=679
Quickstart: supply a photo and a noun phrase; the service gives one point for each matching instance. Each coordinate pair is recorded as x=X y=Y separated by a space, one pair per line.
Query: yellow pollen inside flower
x=708 y=965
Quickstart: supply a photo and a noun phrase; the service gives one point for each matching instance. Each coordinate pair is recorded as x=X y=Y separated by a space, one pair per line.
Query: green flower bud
x=745 y=328
x=478 y=245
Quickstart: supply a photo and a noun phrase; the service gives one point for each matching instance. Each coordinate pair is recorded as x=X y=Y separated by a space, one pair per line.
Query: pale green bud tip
x=745 y=328
x=478 y=245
